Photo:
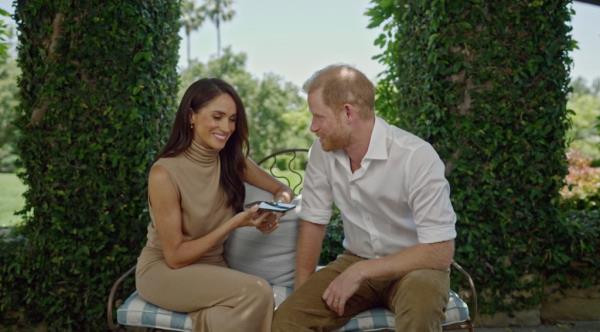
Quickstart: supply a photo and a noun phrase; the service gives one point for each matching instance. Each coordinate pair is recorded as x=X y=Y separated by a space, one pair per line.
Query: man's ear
x=350 y=112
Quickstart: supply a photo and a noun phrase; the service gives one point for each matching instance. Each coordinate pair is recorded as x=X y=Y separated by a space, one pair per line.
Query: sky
x=295 y=38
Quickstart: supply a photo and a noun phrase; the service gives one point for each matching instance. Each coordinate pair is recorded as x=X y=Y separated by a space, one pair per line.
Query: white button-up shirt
x=399 y=196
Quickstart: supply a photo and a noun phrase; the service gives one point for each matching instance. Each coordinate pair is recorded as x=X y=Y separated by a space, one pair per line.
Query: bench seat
x=137 y=312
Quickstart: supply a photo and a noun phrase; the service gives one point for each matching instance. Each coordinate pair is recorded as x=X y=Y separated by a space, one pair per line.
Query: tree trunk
x=97 y=95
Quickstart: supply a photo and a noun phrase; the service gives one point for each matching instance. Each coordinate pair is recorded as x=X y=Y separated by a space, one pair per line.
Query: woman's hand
x=264 y=221
x=270 y=223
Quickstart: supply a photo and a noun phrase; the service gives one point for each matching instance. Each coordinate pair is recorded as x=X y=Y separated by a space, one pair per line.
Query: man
x=398 y=220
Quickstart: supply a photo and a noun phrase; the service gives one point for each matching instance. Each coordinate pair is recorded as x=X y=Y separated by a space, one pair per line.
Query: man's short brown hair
x=343 y=84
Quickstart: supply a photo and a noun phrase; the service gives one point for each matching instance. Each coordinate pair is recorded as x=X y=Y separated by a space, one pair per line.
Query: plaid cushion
x=457 y=310
x=137 y=312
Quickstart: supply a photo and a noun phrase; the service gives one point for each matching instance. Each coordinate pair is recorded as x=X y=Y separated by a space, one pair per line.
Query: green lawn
x=11 y=198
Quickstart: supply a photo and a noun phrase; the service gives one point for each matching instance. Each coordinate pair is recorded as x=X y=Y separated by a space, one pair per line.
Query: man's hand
x=343 y=287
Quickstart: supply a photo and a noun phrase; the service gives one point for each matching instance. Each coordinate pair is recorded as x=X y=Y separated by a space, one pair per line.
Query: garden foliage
x=4 y=32
x=486 y=83
x=8 y=101
x=97 y=97
x=584 y=134
x=582 y=188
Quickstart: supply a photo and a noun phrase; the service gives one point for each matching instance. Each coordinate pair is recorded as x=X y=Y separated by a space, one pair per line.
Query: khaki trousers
x=216 y=297
x=418 y=300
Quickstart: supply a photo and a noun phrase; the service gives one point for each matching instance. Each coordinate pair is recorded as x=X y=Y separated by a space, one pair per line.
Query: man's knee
x=430 y=281
x=287 y=317
x=281 y=317
x=305 y=308
x=419 y=299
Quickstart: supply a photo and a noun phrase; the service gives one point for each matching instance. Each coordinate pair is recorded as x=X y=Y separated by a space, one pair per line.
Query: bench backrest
x=288 y=166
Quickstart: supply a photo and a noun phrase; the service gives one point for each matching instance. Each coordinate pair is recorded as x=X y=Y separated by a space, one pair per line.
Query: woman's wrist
x=240 y=219
x=284 y=194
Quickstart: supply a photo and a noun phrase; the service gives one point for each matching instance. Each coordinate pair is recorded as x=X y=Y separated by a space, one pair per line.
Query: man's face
x=327 y=124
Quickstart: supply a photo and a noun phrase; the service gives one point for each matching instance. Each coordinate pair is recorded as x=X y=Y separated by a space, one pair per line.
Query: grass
x=11 y=198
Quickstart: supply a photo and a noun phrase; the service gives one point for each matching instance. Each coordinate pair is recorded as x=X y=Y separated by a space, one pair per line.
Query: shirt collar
x=378 y=144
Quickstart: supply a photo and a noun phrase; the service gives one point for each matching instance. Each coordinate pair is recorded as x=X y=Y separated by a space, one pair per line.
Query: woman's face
x=215 y=122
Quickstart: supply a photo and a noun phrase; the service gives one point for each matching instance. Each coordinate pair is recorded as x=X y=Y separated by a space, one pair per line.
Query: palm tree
x=4 y=32
x=192 y=18
x=219 y=11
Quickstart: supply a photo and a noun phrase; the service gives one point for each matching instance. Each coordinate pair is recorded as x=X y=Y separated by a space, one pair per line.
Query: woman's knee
x=259 y=290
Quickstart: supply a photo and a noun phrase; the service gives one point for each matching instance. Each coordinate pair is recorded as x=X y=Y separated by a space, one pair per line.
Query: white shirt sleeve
x=317 y=197
x=429 y=196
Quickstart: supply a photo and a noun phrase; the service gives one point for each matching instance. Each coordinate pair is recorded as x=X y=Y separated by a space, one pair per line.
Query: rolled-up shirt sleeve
x=317 y=197
x=429 y=197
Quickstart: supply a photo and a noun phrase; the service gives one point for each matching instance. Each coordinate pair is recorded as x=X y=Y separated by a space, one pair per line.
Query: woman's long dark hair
x=233 y=155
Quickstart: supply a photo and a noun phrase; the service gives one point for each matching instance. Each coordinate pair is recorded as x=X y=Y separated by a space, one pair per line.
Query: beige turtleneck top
x=196 y=174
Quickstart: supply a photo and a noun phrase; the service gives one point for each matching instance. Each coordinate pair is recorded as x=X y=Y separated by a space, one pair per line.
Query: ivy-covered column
x=97 y=90
x=486 y=83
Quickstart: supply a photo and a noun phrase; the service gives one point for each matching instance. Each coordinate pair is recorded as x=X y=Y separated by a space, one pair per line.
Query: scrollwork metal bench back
x=288 y=166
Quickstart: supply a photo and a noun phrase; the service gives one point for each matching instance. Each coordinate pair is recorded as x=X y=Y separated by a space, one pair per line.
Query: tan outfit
x=216 y=297
x=418 y=300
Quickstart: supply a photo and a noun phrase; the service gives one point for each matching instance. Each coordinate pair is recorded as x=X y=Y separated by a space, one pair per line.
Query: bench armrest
x=472 y=287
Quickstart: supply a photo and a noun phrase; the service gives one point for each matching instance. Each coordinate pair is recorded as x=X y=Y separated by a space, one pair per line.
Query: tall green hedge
x=486 y=83
x=97 y=90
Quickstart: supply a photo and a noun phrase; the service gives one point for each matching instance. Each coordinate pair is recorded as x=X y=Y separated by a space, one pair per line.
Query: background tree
x=192 y=18
x=486 y=83
x=8 y=101
x=219 y=11
x=579 y=86
x=4 y=32
x=584 y=134
x=96 y=98
x=8 y=97
x=595 y=87
x=277 y=114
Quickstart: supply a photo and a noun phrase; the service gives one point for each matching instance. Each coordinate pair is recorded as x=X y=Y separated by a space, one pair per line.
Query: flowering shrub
x=582 y=188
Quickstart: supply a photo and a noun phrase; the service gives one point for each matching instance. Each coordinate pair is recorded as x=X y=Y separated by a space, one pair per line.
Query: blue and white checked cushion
x=137 y=312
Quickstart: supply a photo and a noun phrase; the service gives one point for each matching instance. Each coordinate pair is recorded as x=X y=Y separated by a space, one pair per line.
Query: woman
x=196 y=195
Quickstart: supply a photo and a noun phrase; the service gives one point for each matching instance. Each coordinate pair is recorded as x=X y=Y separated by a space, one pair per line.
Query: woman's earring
x=192 y=125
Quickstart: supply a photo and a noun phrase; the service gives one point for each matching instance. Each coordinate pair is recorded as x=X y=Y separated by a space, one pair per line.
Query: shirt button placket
x=372 y=234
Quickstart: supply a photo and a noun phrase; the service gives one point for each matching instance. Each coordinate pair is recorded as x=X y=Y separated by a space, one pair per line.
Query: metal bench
x=288 y=166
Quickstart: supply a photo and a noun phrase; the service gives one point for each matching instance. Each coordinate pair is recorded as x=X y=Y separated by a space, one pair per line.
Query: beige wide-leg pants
x=418 y=300
x=216 y=297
